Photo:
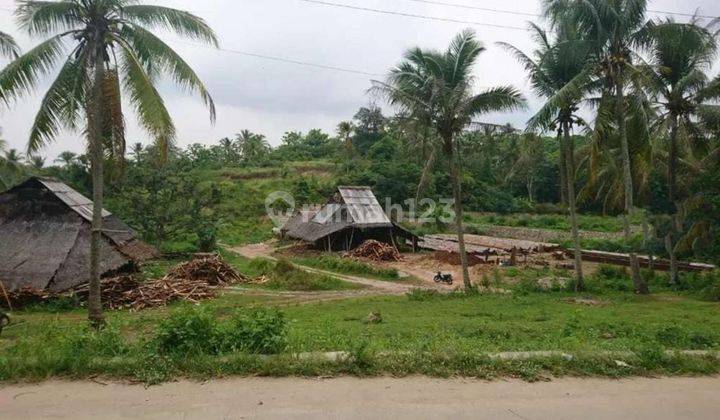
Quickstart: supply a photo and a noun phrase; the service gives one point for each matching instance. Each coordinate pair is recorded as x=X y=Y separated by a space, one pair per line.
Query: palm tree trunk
x=425 y=176
x=457 y=196
x=672 y=199
x=569 y=152
x=563 y=172
x=640 y=285
x=95 y=314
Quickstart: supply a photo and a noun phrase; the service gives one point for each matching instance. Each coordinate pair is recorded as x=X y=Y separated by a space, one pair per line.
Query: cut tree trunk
x=572 y=205
x=95 y=118
x=641 y=286
x=457 y=196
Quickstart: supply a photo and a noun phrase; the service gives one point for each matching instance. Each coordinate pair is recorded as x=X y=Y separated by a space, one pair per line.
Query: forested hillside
x=216 y=192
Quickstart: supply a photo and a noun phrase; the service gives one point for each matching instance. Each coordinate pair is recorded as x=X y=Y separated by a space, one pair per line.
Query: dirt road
x=350 y=398
x=265 y=250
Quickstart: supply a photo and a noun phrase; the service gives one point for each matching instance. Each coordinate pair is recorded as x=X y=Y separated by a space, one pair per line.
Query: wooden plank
x=616 y=258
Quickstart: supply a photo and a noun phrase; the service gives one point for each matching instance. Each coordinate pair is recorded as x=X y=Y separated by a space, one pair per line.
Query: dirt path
x=351 y=398
x=266 y=250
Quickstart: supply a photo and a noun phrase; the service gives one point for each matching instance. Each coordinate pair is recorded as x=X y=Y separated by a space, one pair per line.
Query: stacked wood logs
x=376 y=251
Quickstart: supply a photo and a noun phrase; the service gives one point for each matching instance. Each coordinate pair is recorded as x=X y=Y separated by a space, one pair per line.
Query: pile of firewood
x=23 y=298
x=376 y=251
x=210 y=269
x=191 y=281
x=162 y=292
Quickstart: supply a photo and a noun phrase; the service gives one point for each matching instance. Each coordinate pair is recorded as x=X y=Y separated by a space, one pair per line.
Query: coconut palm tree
x=36 y=162
x=345 y=130
x=13 y=159
x=558 y=73
x=106 y=47
x=679 y=54
x=66 y=158
x=613 y=27
x=8 y=46
x=136 y=150
x=438 y=87
x=253 y=147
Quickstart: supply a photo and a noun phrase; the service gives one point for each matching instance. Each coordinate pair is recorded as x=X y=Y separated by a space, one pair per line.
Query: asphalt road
x=381 y=398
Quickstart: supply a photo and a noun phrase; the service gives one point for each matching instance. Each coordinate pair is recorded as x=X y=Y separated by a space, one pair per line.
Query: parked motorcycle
x=443 y=278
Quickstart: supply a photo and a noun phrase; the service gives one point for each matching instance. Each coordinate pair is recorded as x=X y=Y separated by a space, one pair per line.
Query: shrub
x=193 y=331
x=261 y=331
x=613 y=278
x=712 y=291
x=189 y=330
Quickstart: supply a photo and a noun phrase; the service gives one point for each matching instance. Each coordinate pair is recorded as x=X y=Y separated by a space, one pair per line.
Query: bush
x=261 y=331
x=611 y=277
x=190 y=330
x=193 y=331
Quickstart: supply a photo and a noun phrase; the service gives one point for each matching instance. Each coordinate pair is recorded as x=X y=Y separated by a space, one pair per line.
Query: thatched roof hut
x=45 y=238
x=352 y=216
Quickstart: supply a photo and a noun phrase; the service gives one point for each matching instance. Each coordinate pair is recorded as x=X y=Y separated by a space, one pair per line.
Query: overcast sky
x=273 y=97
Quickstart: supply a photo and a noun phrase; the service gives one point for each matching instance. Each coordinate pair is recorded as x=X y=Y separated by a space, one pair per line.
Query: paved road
x=350 y=398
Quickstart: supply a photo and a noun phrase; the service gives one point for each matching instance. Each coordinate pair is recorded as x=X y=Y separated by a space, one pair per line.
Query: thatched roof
x=45 y=231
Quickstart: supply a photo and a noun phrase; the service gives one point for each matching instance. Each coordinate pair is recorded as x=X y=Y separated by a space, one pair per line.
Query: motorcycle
x=444 y=278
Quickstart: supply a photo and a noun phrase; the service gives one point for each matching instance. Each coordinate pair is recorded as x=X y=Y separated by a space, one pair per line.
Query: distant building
x=351 y=217
x=45 y=238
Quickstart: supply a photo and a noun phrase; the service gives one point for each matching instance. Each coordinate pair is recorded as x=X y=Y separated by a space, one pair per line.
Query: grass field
x=422 y=332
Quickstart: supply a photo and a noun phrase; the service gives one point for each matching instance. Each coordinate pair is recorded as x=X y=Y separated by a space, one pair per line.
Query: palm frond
x=153 y=52
x=61 y=105
x=23 y=74
x=149 y=105
x=181 y=22
x=48 y=17
x=503 y=98
x=8 y=46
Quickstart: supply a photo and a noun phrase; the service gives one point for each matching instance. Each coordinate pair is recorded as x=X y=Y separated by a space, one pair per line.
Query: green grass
x=283 y=275
x=348 y=266
x=423 y=333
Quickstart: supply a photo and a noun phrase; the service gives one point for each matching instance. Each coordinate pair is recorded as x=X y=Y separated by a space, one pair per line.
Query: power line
x=512 y=12
x=286 y=60
x=683 y=14
x=484 y=9
x=411 y=15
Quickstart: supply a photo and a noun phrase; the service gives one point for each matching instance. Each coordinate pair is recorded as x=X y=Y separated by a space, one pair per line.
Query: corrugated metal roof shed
x=363 y=207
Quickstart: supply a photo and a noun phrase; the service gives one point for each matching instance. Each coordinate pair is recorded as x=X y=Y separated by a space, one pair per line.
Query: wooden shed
x=352 y=216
